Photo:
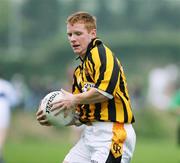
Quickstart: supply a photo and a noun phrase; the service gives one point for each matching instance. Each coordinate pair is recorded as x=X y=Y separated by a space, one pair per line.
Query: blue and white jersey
x=8 y=93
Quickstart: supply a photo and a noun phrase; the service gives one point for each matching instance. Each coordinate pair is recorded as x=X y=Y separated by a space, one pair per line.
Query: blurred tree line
x=143 y=33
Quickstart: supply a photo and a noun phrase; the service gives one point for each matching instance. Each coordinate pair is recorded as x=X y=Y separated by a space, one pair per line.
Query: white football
x=60 y=119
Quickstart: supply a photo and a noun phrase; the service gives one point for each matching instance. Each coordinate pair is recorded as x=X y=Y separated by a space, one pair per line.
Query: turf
x=147 y=151
x=156 y=151
x=28 y=152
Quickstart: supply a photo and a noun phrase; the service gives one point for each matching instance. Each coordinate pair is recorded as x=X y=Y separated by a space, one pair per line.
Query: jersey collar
x=92 y=44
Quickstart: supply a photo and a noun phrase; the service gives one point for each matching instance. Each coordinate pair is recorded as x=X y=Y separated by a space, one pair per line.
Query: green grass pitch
x=147 y=151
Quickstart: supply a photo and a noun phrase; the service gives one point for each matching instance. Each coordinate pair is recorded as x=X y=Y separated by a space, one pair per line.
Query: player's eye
x=78 y=33
x=69 y=34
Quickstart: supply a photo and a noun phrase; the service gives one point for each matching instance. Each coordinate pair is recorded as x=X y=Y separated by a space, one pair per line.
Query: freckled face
x=79 y=37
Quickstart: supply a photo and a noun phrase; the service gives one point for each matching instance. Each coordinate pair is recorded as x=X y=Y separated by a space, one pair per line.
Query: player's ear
x=93 y=33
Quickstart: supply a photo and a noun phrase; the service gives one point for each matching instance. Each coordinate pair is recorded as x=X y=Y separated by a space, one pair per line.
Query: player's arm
x=72 y=100
x=89 y=97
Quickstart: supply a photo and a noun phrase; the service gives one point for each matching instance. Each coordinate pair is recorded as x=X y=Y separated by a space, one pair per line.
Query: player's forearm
x=91 y=96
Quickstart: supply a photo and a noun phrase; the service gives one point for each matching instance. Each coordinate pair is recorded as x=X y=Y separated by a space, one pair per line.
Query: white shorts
x=5 y=114
x=104 y=142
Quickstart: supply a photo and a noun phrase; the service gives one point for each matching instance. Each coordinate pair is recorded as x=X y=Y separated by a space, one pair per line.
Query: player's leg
x=129 y=144
x=123 y=144
x=78 y=154
x=115 y=144
x=99 y=140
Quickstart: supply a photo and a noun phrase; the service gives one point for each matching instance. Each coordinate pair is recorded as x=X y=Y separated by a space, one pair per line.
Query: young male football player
x=100 y=97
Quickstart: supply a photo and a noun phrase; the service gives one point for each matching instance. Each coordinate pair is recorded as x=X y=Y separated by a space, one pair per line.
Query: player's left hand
x=68 y=102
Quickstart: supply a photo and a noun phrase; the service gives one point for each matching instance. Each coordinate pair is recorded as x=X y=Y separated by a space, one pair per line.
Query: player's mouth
x=75 y=46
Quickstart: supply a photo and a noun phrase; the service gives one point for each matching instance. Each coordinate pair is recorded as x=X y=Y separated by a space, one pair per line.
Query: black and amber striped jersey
x=102 y=70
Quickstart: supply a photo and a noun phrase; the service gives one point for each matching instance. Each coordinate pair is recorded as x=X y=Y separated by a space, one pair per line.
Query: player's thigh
x=100 y=155
x=129 y=144
x=117 y=144
x=78 y=154
x=100 y=140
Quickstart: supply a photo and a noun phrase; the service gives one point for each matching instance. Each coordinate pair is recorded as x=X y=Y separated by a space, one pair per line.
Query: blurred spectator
x=22 y=89
x=38 y=89
x=136 y=94
x=162 y=83
x=8 y=99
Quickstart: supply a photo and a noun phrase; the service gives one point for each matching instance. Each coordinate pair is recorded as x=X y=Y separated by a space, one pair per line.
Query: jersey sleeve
x=106 y=69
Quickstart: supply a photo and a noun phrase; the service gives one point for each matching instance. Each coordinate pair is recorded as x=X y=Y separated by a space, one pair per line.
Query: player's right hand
x=41 y=117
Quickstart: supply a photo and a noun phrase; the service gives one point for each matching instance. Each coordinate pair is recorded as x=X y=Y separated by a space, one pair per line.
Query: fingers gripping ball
x=64 y=118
